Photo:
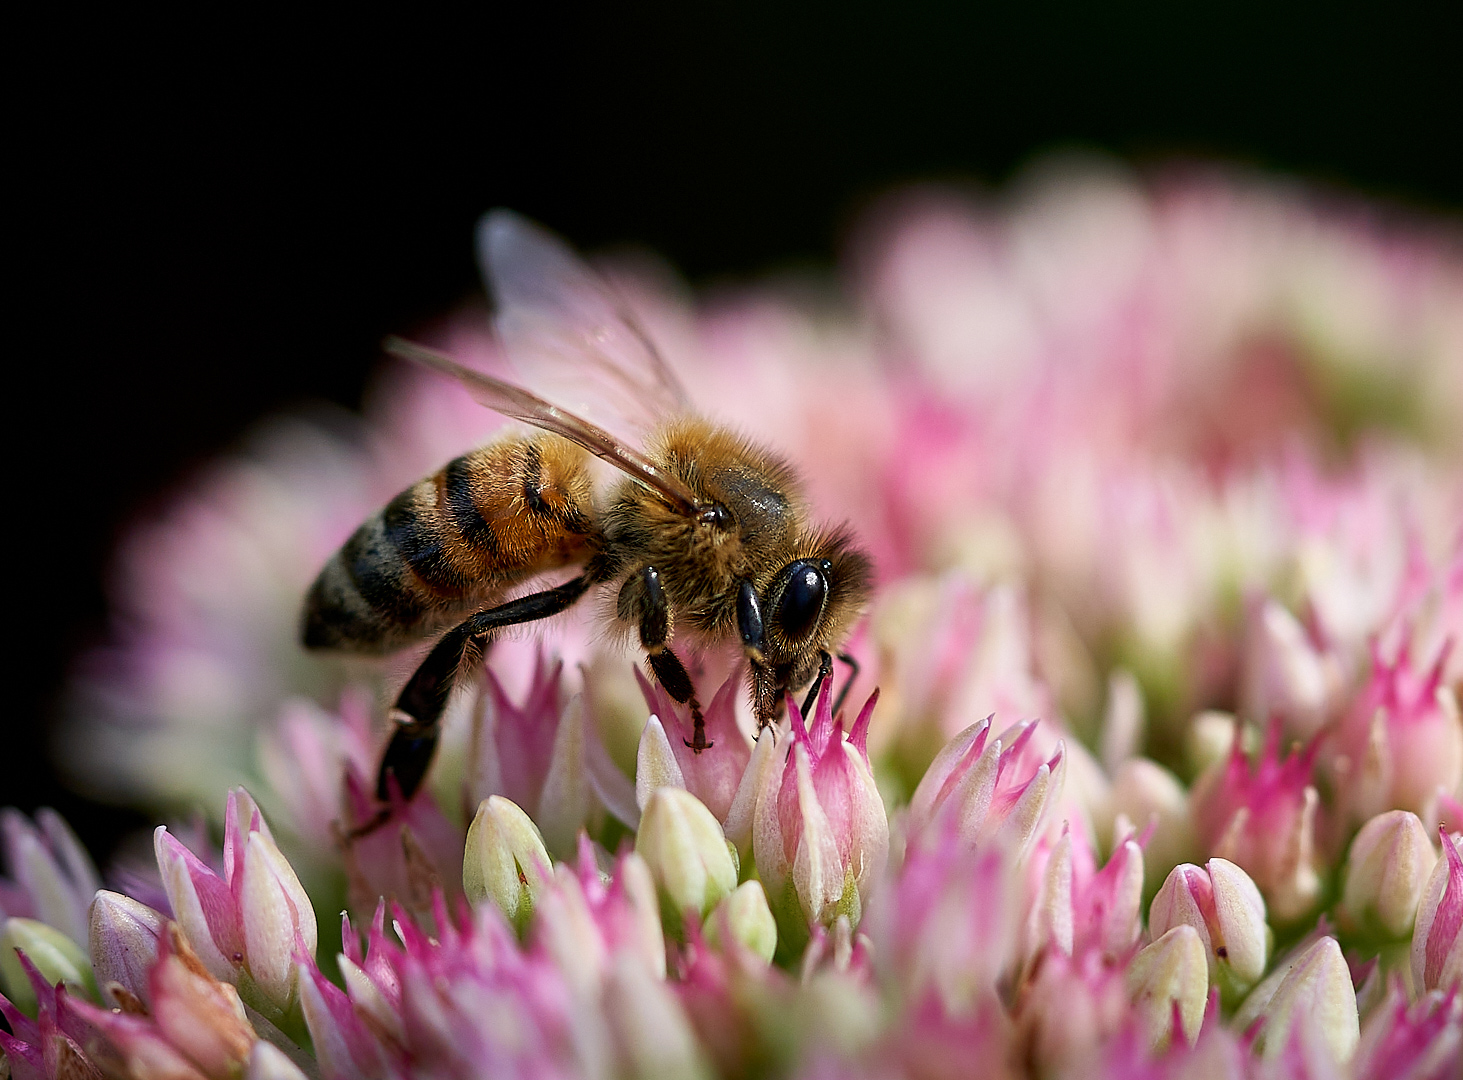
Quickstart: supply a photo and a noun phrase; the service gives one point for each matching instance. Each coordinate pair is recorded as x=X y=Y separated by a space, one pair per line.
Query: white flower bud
x=689 y=858
x=268 y=1062
x=655 y=763
x=745 y=916
x=1316 y=991
x=1389 y=863
x=1174 y=970
x=652 y=1033
x=505 y=860
x=1211 y=736
x=1224 y=906
x=274 y=909
x=1145 y=792
x=1288 y=677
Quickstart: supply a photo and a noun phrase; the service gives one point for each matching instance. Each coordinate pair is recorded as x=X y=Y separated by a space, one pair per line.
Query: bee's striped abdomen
x=446 y=545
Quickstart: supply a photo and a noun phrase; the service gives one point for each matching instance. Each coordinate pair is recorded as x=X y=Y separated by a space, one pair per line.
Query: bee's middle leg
x=419 y=707
x=642 y=601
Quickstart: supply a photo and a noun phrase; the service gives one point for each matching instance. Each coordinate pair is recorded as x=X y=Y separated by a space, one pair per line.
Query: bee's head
x=810 y=604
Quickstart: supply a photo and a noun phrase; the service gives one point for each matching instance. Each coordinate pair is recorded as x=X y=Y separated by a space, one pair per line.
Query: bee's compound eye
x=801 y=602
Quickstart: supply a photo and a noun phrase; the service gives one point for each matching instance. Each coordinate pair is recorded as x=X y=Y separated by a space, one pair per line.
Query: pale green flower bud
x=1211 y=737
x=1315 y=991
x=655 y=763
x=1174 y=970
x=505 y=860
x=55 y=956
x=689 y=858
x=1222 y=903
x=747 y=918
x=1389 y=864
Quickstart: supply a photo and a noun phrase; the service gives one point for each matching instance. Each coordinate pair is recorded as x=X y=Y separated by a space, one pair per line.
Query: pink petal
x=1449 y=918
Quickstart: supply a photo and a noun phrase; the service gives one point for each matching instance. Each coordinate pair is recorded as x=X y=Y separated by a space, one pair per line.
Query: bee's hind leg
x=419 y=707
x=642 y=601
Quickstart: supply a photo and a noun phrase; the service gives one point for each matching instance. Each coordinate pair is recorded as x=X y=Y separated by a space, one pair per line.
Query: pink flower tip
x=1437 y=944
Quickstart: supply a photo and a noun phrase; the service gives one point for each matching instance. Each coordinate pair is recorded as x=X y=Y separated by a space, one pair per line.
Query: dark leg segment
x=749 y=621
x=671 y=674
x=825 y=668
x=848 y=683
x=642 y=598
x=421 y=702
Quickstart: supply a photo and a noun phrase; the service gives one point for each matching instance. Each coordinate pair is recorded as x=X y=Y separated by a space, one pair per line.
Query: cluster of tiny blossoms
x=1151 y=766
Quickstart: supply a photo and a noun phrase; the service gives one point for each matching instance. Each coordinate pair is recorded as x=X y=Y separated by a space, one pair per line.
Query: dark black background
x=219 y=218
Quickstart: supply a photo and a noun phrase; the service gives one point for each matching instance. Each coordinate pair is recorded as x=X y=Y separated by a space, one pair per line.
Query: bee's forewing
x=570 y=337
x=522 y=404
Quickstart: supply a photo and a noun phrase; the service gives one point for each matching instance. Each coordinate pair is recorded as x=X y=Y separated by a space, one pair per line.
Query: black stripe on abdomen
x=462 y=508
x=375 y=569
x=421 y=546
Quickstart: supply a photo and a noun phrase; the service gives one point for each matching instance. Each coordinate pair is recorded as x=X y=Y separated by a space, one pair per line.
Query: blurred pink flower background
x=1163 y=481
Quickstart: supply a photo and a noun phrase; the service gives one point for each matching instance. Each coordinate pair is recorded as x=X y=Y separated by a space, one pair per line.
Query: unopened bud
x=276 y=917
x=1173 y=971
x=1289 y=677
x=505 y=860
x=689 y=858
x=1316 y=992
x=1389 y=864
x=1224 y=906
x=54 y=955
x=124 y=942
x=745 y=916
x=655 y=763
x=1122 y=721
x=1148 y=794
x=1211 y=736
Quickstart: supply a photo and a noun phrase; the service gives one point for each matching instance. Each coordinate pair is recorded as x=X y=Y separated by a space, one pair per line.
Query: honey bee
x=705 y=536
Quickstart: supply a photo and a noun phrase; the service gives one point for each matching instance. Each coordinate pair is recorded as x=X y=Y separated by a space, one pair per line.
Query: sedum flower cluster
x=1150 y=763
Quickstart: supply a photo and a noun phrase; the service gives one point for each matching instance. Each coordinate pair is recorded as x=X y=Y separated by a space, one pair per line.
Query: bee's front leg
x=825 y=668
x=767 y=688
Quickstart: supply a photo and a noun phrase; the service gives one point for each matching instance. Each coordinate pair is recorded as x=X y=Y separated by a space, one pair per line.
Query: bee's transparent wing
x=570 y=338
x=520 y=404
